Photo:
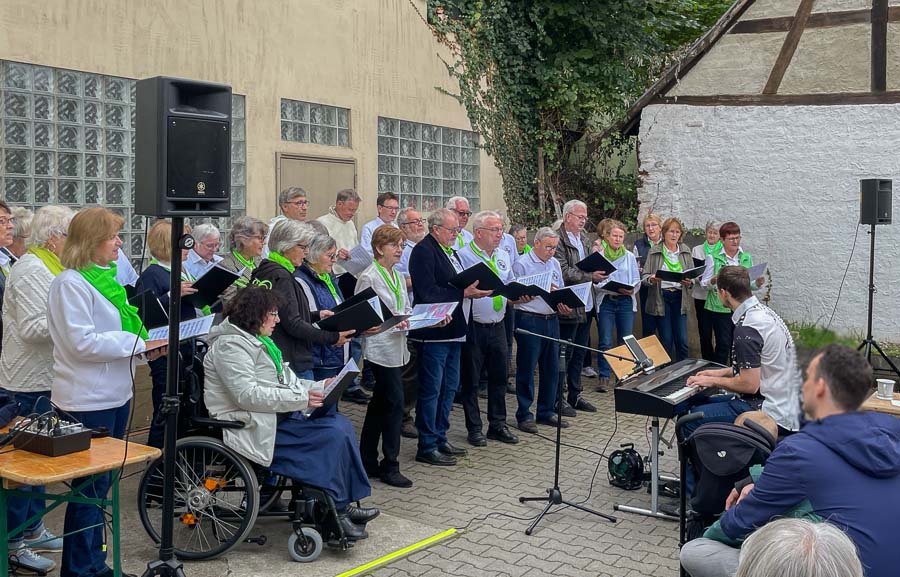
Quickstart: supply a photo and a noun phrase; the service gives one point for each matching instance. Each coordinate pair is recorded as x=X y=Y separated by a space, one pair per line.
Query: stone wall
x=790 y=177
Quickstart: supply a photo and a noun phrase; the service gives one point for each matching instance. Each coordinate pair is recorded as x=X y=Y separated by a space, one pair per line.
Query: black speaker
x=183 y=148
x=875 y=201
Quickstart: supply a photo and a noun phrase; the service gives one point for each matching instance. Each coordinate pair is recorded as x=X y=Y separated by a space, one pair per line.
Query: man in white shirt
x=203 y=257
x=340 y=225
x=413 y=227
x=387 y=206
x=460 y=206
x=486 y=339
x=293 y=204
x=537 y=317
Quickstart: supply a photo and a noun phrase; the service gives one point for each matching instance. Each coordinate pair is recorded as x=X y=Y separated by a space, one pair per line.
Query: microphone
x=647 y=366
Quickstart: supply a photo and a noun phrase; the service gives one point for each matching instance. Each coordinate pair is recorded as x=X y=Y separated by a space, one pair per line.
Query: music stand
x=554 y=494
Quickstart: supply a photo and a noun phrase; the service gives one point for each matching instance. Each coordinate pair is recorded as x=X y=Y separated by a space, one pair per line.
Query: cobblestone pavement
x=568 y=542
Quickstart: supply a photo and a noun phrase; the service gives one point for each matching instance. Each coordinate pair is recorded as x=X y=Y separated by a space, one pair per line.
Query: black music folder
x=150 y=310
x=335 y=390
x=487 y=280
x=699 y=261
x=594 y=262
x=354 y=299
x=347 y=283
x=210 y=286
x=359 y=317
x=688 y=274
x=614 y=286
x=516 y=290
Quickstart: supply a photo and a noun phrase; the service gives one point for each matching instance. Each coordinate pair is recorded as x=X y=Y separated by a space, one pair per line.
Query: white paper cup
x=885 y=388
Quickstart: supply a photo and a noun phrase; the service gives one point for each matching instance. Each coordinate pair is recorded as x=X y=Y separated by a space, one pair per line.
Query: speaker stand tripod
x=869 y=342
x=554 y=494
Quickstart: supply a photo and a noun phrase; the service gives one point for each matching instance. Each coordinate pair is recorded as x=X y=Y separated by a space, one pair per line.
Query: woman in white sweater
x=387 y=353
x=26 y=363
x=96 y=336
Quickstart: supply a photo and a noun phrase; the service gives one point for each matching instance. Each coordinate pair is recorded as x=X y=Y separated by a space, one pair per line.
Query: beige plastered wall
x=375 y=57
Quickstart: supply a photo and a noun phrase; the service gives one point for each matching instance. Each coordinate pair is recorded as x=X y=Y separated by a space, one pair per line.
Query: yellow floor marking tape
x=400 y=553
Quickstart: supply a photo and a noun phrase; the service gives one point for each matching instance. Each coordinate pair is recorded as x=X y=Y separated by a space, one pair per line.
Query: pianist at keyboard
x=764 y=374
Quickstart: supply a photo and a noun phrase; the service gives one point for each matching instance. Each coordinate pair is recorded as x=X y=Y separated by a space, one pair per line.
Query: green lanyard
x=672 y=266
x=709 y=249
x=247 y=263
x=448 y=250
x=459 y=240
x=326 y=278
x=395 y=286
x=492 y=263
x=274 y=353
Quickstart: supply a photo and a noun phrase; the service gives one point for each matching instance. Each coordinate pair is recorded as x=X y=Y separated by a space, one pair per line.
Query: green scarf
x=613 y=255
x=273 y=351
x=279 y=258
x=709 y=249
x=396 y=286
x=185 y=276
x=326 y=278
x=525 y=250
x=247 y=263
x=447 y=249
x=492 y=263
x=104 y=282
x=672 y=266
x=49 y=258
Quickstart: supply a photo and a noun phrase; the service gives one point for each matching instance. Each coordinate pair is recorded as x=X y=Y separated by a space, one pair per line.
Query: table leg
x=4 y=530
x=117 y=548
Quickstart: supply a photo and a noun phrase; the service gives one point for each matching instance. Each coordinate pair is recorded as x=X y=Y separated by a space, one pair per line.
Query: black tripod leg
x=609 y=518
x=539 y=517
x=885 y=357
x=527 y=499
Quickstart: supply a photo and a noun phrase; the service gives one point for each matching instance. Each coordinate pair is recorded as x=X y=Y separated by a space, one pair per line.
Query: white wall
x=790 y=177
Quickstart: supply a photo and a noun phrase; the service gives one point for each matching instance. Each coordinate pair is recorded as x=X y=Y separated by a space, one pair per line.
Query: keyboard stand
x=653 y=511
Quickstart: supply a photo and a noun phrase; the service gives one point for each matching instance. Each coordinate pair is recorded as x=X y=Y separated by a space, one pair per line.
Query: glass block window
x=315 y=123
x=427 y=165
x=67 y=137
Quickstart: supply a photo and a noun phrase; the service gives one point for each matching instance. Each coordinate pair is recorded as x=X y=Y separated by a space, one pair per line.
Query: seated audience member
x=155 y=281
x=843 y=466
x=96 y=335
x=26 y=364
x=764 y=369
x=247 y=380
x=798 y=548
x=203 y=257
x=247 y=237
x=294 y=334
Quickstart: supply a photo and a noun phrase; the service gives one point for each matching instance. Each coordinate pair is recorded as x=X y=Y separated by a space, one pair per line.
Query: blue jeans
x=578 y=334
x=307 y=375
x=20 y=510
x=544 y=354
x=618 y=313
x=648 y=321
x=438 y=383
x=673 y=326
x=84 y=553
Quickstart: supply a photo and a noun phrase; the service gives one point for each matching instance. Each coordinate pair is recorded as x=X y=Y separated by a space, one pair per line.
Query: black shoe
x=436 y=458
x=583 y=405
x=357 y=396
x=408 y=430
x=362 y=515
x=452 y=451
x=476 y=439
x=551 y=422
x=396 y=479
x=567 y=410
x=108 y=572
x=503 y=435
x=352 y=531
x=528 y=427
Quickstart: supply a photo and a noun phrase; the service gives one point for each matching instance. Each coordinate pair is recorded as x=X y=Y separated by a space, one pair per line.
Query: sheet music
x=359 y=261
x=757 y=271
x=583 y=291
x=375 y=303
x=186 y=330
x=428 y=315
x=615 y=292
x=541 y=280
x=349 y=367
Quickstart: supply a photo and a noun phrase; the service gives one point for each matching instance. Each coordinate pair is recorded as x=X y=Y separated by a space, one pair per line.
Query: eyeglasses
x=298 y=202
x=390 y=207
x=733 y=238
x=273 y=314
x=409 y=222
x=303 y=247
x=495 y=230
x=453 y=230
x=210 y=245
x=579 y=217
x=466 y=213
x=393 y=244
x=11 y=221
x=331 y=256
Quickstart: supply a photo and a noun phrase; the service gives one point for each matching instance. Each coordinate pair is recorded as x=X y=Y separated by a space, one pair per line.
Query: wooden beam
x=789 y=47
x=819 y=20
x=830 y=99
x=879 y=45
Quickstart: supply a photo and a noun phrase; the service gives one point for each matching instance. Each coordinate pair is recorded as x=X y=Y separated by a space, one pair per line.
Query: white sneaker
x=588 y=372
x=30 y=562
x=45 y=542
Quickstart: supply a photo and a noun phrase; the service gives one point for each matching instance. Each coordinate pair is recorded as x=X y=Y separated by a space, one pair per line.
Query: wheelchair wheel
x=305 y=548
x=216 y=499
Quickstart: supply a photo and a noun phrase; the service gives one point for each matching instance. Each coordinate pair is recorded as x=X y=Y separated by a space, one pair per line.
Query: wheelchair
x=219 y=494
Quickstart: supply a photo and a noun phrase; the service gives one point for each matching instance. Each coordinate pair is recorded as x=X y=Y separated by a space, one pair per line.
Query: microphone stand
x=554 y=494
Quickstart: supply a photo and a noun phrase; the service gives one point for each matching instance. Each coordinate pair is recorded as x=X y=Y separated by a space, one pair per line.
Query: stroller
x=720 y=455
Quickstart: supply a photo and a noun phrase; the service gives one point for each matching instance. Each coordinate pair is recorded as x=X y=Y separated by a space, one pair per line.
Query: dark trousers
x=723 y=328
x=410 y=376
x=510 y=324
x=20 y=509
x=578 y=334
x=588 y=360
x=673 y=326
x=536 y=352
x=84 y=553
x=485 y=348
x=648 y=321
x=384 y=416
x=704 y=329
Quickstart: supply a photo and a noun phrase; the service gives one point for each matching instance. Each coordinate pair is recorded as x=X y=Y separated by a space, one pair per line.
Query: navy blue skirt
x=322 y=452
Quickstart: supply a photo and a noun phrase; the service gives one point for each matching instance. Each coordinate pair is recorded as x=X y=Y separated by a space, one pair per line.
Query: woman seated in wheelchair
x=247 y=381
